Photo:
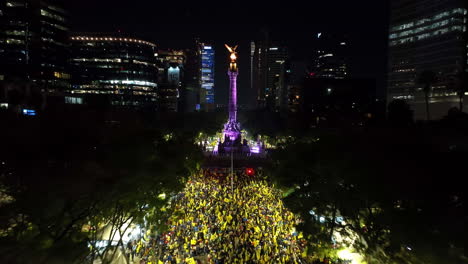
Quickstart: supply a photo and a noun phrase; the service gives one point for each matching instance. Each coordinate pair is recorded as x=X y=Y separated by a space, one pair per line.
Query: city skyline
x=295 y=24
x=324 y=132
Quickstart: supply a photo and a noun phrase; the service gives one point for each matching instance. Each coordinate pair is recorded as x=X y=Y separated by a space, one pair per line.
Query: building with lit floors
x=207 y=75
x=189 y=96
x=330 y=58
x=171 y=83
x=276 y=89
x=34 y=47
x=427 y=35
x=122 y=71
x=296 y=74
x=258 y=64
x=269 y=74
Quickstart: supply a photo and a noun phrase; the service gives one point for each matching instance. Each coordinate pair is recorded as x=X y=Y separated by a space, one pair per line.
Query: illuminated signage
x=29 y=112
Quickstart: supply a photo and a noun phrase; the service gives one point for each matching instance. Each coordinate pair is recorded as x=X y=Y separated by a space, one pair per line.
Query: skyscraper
x=269 y=74
x=275 y=83
x=34 y=44
x=171 y=83
x=330 y=57
x=296 y=73
x=259 y=70
x=207 y=93
x=426 y=35
x=190 y=94
x=121 y=69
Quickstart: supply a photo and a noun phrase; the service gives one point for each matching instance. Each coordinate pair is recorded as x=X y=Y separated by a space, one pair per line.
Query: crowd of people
x=211 y=223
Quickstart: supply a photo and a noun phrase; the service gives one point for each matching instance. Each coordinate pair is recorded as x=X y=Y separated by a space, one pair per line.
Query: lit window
x=14 y=41
x=51 y=15
x=15 y=32
x=61 y=75
x=60 y=27
x=15 y=4
x=422 y=26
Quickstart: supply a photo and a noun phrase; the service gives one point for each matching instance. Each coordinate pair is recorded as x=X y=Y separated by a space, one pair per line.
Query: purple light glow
x=255 y=149
x=233 y=95
x=232 y=128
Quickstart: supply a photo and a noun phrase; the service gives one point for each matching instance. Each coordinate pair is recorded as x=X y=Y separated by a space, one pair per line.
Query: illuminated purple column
x=232 y=128
x=233 y=96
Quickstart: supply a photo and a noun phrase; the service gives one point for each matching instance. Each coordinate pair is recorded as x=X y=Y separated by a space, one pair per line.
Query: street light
x=232 y=170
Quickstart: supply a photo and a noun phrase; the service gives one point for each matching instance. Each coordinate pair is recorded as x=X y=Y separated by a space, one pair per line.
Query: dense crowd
x=212 y=224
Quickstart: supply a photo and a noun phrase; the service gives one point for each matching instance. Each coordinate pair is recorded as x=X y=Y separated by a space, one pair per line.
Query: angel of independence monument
x=232 y=127
x=232 y=131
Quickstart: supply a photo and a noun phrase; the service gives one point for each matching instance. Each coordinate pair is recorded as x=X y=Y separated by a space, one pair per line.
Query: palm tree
x=427 y=78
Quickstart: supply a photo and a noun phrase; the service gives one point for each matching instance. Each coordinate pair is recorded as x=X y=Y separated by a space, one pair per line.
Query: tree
x=64 y=188
x=389 y=190
x=427 y=78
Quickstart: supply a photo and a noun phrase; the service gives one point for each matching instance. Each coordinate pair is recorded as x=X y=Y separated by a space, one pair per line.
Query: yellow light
x=346 y=254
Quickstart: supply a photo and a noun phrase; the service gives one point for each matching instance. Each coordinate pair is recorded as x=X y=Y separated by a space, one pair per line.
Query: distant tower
x=232 y=127
x=207 y=62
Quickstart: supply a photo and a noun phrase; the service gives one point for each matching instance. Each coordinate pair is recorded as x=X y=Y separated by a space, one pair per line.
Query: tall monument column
x=233 y=95
x=232 y=127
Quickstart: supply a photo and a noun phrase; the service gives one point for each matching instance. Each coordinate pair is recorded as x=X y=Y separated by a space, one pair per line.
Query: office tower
x=34 y=45
x=190 y=96
x=427 y=35
x=171 y=65
x=269 y=74
x=207 y=74
x=296 y=73
x=275 y=83
x=123 y=70
x=330 y=58
x=259 y=71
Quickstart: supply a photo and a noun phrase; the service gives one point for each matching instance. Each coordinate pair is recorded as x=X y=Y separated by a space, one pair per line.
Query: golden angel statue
x=233 y=52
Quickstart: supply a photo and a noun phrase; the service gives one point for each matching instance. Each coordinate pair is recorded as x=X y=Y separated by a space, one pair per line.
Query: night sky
x=174 y=24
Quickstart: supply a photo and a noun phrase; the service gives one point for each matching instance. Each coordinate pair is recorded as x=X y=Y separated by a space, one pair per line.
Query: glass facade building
x=330 y=58
x=207 y=54
x=34 y=45
x=171 y=83
x=269 y=74
x=124 y=69
x=426 y=35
